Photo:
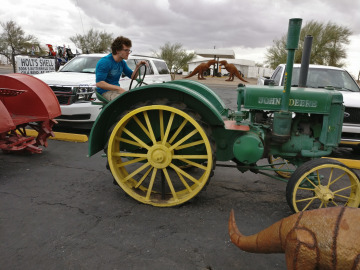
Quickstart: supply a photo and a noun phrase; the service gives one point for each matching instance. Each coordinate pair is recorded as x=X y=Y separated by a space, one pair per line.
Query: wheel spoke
x=141 y=126
x=309 y=189
x=281 y=165
x=192 y=133
x=183 y=181
x=330 y=177
x=144 y=177
x=333 y=202
x=144 y=145
x=152 y=135
x=189 y=145
x=168 y=128
x=127 y=141
x=306 y=199
x=275 y=159
x=161 y=120
x=309 y=203
x=123 y=164
x=193 y=163
x=337 y=179
x=137 y=171
x=128 y=154
x=178 y=131
x=148 y=193
x=310 y=182
x=167 y=177
x=318 y=177
x=176 y=168
x=339 y=190
x=345 y=197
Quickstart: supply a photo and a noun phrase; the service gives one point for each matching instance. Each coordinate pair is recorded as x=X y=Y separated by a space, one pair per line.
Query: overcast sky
x=248 y=27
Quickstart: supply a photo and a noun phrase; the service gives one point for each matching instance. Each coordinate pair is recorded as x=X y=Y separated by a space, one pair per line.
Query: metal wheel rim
x=353 y=197
x=159 y=156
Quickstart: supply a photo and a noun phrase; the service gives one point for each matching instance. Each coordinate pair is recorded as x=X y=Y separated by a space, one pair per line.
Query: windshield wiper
x=337 y=88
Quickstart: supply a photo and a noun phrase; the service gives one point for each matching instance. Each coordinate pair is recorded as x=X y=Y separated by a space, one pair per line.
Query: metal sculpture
x=232 y=71
x=317 y=239
x=201 y=69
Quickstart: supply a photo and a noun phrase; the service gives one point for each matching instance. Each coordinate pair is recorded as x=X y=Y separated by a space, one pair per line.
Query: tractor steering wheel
x=140 y=78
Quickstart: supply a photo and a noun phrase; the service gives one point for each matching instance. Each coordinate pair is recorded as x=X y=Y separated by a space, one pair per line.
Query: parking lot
x=60 y=210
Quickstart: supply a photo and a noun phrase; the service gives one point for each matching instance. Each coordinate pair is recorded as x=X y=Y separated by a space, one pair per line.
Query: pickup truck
x=331 y=78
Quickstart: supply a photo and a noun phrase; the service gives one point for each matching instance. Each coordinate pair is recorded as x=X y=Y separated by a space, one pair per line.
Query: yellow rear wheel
x=160 y=155
x=322 y=183
x=281 y=164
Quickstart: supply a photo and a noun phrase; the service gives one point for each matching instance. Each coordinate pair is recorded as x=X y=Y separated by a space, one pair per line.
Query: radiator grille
x=354 y=117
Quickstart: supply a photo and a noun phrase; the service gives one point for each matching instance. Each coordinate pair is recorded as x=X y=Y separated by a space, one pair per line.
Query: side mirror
x=269 y=82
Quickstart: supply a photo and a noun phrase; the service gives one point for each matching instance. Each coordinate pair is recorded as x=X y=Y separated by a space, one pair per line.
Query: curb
x=61 y=136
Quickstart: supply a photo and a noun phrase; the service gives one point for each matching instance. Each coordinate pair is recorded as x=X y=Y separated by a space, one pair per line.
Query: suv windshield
x=82 y=64
x=321 y=78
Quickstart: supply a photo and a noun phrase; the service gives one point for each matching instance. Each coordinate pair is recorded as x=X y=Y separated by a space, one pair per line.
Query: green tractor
x=162 y=141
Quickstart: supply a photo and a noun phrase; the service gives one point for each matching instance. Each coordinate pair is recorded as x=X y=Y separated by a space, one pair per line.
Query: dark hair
x=118 y=43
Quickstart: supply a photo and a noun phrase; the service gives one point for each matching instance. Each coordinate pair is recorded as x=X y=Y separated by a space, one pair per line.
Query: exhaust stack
x=305 y=61
x=282 y=119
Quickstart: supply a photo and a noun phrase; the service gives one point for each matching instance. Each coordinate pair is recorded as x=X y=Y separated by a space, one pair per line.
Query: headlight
x=84 y=93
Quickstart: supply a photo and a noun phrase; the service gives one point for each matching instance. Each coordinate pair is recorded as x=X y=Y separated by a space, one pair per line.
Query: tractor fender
x=196 y=96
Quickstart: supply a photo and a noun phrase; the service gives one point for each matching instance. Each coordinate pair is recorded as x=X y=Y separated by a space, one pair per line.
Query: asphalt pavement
x=60 y=210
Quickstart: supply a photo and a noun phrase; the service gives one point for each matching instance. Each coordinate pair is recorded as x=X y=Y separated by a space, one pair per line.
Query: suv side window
x=277 y=75
x=161 y=67
x=149 y=69
x=131 y=63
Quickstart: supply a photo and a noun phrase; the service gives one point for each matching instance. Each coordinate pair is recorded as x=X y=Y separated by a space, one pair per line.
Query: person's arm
x=107 y=86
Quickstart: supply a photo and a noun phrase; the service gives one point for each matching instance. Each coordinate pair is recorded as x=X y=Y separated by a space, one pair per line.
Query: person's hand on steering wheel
x=137 y=75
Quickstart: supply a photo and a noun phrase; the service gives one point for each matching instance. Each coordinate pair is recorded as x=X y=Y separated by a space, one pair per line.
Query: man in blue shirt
x=110 y=67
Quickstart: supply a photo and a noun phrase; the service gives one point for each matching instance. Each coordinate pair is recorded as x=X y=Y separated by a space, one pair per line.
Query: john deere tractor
x=163 y=141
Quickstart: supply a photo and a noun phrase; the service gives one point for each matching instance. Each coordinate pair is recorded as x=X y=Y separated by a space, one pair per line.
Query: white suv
x=74 y=85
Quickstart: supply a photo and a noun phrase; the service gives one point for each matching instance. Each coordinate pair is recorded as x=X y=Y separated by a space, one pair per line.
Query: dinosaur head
x=223 y=62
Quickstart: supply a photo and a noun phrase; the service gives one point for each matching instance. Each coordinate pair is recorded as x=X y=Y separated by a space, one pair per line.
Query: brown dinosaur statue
x=232 y=71
x=200 y=69
x=325 y=238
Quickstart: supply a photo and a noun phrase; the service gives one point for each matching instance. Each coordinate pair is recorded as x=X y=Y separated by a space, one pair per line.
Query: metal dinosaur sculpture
x=200 y=69
x=232 y=71
x=325 y=238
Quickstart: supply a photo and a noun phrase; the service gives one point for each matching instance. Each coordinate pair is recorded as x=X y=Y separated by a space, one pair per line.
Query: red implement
x=26 y=101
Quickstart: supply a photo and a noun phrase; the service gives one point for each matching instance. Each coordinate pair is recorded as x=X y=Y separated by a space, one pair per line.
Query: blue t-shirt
x=108 y=70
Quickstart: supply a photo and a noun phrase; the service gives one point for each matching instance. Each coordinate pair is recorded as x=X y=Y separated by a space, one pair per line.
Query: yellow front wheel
x=160 y=155
x=322 y=183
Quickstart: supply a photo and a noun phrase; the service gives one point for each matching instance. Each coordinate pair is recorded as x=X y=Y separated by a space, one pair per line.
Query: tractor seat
x=103 y=101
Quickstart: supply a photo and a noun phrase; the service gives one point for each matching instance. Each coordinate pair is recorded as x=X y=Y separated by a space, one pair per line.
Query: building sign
x=34 y=66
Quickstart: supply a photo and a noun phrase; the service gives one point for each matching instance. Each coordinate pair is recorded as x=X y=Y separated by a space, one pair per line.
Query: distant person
x=110 y=67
